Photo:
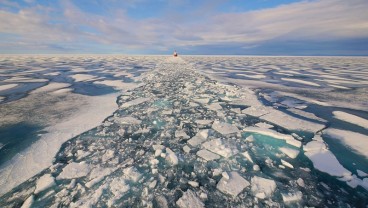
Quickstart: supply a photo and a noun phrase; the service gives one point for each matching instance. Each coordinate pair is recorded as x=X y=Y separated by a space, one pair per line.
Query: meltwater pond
x=182 y=139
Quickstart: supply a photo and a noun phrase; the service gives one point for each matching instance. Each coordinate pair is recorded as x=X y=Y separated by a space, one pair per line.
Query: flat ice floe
x=323 y=159
x=83 y=77
x=118 y=84
x=351 y=118
x=292 y=123
x=7 y=86
x=301 y=82
x=52 y=86
x=32 y=160
x=357 y=142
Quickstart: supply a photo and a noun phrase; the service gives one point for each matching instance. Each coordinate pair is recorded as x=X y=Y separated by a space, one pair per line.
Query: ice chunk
x=361 y=173
x=189 y=199
x=300 y=182
x=246 y=155
x=186 y=149
x=232 y=186
x=44 y=182
x=262 y=187
x=118 y=187
x=292 y=153
x=171 y=157
x=224 y=128
x=207 y=155
x=109 y=154
x=287 y=164
x=199 y=138
x=132 y=174
x=28 y=202
x=181 y=134
x=220 y=147
x=74 y=170
x=193 y=183
x=289 y=122
x=356 y=141
x=264 y=125
x=134 y=102
x=214 y=107
x=97 y=174
x=203 y=122
x=201 y=100
x=274 y=134
x=257 y=111
x=323 y=159
x=292 y=197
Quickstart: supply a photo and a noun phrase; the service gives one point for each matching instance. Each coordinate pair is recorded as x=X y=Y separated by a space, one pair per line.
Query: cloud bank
x=324 y=27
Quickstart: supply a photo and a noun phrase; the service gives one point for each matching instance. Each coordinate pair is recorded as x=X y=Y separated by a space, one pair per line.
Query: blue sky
x=241 y=27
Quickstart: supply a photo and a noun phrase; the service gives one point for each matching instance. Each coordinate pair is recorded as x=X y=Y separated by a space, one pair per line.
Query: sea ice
x=224 y=128
x=287 y=164
x=262 y=187
x=356 y=141
x=220 y=147
x=323 y=159
x=74 y=170
x=207 y=155
x=257 y=111
x=361 y=173
x=292 y=197
x=274 y=134
x=171 y=157
x=7 y=86
x=28 y=202
x=351 y=118
x=134 y=102
x=292 y=153
x=83 y=77
x=292 y=123
x=232 y=186
x=199 y=138
x=189 y=199
x=44 y=182
x=52 y=86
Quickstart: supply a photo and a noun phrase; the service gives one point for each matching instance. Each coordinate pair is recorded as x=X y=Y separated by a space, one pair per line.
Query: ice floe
x=262 y=187
x=356 y=141
x=351 y=118
x=7 y=86
x=232 y=185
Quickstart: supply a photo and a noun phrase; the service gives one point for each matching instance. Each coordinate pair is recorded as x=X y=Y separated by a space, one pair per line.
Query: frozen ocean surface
x=150 y=131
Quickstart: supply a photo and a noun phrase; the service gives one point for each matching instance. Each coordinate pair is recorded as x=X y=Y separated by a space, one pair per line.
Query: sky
x=213 y=27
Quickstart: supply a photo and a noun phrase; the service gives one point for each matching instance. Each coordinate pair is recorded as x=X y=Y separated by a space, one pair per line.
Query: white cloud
x=307 y=20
